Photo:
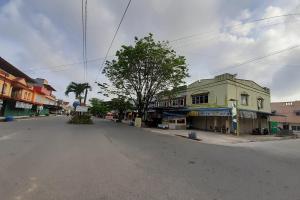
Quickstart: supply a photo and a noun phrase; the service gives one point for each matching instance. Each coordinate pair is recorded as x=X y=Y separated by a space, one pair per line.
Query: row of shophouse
x=224 y=103
x=20 y=95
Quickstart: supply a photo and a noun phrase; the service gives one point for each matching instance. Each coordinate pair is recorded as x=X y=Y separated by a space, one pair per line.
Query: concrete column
x=215 y=123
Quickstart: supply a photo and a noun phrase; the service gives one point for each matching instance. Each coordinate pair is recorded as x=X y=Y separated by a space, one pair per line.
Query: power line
x=85 y=45
x=114 y=37
x=69 y=64
x=84 y=36
x=232 y=26
x=258 y=58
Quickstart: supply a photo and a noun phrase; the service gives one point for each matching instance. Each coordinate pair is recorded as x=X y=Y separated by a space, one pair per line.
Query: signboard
x=40 y=108
x=81 y=109
x=247 y=114
x=221 y=113
x=1 y=101
x=23 y=105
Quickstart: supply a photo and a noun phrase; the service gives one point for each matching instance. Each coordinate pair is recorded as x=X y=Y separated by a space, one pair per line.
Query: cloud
x=43 y=35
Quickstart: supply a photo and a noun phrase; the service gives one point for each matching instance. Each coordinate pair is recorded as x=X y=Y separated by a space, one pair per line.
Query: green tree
x=121 y=105
x=78 y=89
x=99 y=107
x=144 y=70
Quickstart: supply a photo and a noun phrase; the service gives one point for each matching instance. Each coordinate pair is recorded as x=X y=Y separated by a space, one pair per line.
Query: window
x=25 y=95
x=260 y=103
x=4 y=88
x=244 y=99
x=294 y=128
x=172 y=121
x=298 y=128
x=200 y=99
x=180 y=121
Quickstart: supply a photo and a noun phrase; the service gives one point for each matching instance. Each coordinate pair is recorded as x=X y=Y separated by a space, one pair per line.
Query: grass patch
x=81 y=119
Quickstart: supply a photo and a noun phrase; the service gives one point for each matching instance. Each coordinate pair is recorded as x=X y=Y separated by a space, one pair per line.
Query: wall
x=235 y=89
x=7 y=92
x=217 y=96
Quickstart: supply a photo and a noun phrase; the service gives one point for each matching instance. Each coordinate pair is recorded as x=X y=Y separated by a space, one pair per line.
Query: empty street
x=46 y=158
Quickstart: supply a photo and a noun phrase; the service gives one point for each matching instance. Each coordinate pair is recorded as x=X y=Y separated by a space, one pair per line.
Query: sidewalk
x=23 y=117
x=218 y=138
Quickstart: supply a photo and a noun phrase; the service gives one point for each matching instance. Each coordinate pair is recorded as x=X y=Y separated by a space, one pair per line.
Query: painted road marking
x=7 y=137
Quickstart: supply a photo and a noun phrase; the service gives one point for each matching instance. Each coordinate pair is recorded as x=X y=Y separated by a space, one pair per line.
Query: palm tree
x=78 y=89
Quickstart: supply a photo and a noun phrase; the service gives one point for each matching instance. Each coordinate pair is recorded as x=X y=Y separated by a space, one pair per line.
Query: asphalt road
x=48 y=159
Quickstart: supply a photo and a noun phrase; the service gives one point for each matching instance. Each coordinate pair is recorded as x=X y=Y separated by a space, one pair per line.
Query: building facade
x=209 y=105
x=287 y=115
x=21 y=95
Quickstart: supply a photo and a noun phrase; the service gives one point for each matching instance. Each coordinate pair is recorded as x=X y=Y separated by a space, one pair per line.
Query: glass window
x=180 y=121
x=172 y=121
x=4 y=88
x=260 y=103
x=244 y=99
x=298 y=128
x=294 y=128
x=199 y=99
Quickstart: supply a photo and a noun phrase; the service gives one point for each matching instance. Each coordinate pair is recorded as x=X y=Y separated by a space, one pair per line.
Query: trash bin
x=192 y=135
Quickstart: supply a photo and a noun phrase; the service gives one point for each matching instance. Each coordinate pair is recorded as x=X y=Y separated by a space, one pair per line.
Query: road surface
x=48 y=159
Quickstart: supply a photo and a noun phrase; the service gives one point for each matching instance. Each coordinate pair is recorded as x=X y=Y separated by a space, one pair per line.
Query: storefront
x=253 y=122
x=210 y=119
x=17 y=108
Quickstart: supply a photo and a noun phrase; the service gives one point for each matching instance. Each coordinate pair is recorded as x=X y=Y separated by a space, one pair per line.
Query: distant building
x=288 y=115
x=207 y=104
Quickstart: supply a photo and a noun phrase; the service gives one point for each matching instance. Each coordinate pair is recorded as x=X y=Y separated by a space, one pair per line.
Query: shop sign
x=81 y=109
x=247 y=114
x=23 y=105
x=40 y=108
x=209 y=113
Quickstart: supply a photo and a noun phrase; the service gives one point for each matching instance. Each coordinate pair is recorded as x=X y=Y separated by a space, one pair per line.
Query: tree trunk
x=85 y=96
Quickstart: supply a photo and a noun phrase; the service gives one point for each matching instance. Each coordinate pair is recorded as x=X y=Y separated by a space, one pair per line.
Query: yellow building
x=214 y=104
x=210 y=102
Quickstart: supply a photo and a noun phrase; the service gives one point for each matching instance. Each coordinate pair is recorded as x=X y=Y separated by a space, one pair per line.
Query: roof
x=287 y=110
x=229 y=77
x=9 y=68
x=49 y=87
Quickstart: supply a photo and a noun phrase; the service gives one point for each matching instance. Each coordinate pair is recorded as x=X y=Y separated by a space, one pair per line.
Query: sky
x=43 y=38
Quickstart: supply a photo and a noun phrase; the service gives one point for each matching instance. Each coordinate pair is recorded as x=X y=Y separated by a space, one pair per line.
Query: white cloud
x=48 y=33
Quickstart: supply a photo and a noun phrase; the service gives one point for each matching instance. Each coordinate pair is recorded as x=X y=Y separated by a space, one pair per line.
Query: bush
x=81 y=119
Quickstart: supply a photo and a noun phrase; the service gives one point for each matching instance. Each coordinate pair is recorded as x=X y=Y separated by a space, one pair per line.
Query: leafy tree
x=99 y=107
x=144 y=70
x=121 y=105
x=78 y=89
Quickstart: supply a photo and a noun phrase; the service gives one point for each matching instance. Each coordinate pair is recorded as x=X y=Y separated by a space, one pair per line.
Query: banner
x=81 y=109
x=234 y=115
x=23 y=105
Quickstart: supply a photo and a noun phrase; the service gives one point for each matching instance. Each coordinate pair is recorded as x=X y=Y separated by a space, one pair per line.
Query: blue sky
x=41 y=37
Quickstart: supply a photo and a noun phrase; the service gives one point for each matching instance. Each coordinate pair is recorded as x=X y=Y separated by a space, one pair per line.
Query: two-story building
x=224 y=103
x=211 y=102
x=287 y=115
x=21 y=95
x=169 y=108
